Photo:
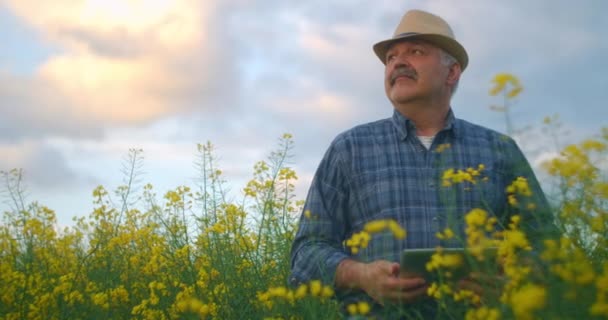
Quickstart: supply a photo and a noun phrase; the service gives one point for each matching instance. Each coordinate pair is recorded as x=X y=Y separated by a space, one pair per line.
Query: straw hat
x=417 y=24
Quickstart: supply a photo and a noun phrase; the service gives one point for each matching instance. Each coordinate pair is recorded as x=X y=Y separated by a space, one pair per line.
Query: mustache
x=403 y=71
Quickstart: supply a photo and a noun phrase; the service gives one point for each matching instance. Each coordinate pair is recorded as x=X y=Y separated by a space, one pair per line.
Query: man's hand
x=381 y=281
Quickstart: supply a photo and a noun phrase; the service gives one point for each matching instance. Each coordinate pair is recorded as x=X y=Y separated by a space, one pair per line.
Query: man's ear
x=453 y=74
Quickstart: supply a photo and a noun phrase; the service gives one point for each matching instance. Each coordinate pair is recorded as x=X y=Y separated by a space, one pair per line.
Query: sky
x=82 y=82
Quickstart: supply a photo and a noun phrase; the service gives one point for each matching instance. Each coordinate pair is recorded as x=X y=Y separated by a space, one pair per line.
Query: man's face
x=414 y=72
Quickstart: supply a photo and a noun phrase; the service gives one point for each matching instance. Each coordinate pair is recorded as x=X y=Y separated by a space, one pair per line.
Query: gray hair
x=448 y=60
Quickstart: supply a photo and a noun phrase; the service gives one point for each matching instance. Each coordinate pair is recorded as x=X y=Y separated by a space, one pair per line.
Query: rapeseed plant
x=195 y=255
x=510 y=87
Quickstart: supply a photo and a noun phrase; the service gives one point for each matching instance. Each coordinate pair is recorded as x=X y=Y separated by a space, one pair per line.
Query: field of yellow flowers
x=191 y=255
x=196 y=254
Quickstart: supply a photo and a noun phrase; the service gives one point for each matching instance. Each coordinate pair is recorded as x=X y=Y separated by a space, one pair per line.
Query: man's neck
x=428 y=119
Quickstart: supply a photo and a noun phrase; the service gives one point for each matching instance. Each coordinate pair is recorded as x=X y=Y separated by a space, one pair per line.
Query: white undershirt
x=426 y=141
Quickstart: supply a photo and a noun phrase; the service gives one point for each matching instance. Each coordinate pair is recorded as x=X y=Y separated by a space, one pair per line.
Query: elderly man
x=392 y=169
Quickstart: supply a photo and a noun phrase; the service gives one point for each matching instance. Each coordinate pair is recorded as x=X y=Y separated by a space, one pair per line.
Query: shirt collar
x=405 y=125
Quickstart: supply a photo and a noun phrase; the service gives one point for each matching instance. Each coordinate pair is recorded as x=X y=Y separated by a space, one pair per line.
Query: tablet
x=413 y=262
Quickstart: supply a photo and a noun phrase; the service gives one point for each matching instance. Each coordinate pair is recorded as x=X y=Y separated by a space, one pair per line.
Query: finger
x=415 y=294
x=404 y=284
x=397 y=288
x=395 y=269
x=408 y=274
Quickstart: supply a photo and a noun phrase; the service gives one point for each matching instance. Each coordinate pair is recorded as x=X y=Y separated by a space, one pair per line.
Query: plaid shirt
x=380 y=170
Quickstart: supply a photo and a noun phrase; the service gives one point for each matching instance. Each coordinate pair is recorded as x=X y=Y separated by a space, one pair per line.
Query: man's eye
x=417 y=51
x=390 y=57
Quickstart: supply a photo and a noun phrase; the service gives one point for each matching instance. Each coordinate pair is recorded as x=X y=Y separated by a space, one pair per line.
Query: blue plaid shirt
x=380 y=170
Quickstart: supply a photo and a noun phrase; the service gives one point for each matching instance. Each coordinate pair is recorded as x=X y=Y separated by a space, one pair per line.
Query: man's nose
x=404 y=63
x=401 y=60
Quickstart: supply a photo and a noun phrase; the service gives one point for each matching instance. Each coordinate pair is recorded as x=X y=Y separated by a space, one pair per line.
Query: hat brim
x=450 y=45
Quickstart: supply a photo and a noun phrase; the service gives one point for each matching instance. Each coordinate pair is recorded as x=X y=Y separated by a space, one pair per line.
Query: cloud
x=164 y=75
x=110 y=90
x=311 y=102
x=314 y=71
x=341 y=52
x=121 y=63
x=170 y=25
x=31 y=109
x=43 y=166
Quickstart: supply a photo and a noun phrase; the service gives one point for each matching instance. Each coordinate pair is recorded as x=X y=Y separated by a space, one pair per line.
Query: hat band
x=405 y=34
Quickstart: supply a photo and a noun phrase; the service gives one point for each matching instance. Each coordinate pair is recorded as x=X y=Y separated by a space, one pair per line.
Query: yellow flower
x=352 y=309
x=440 y=148
x=466 y=295
x=438 y=290
x=101 y=299
x=451 y=176
x=476 y=217
x=301 y=291
x=361 y=239
x=590 y=144
x=501 y=80
x=315 y=288
x=515 y=220
x=307 y=214
x=447 y=234
x=278 y=292
x=448 y=261
x=490 y=224
x=483 y=313
x=375 y=226
x=514 y=92
x=327 y=292
x=358 y=240
x=527 y=300
x=359 y=308
x=433 y=288
x=363 y=307
x=396 y=229
x=264 y=298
